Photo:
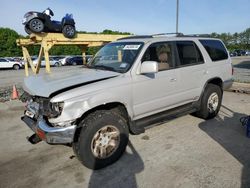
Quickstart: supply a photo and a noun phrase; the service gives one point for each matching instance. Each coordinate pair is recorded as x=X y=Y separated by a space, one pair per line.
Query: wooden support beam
x=48 y=40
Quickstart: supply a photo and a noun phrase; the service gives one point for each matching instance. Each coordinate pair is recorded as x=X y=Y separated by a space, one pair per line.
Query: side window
x=162 y=53
x=189 y=54
x=3 y=60
x=215 y=49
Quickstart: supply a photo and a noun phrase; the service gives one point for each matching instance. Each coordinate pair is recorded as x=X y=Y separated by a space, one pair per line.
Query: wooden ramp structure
x=48 y=40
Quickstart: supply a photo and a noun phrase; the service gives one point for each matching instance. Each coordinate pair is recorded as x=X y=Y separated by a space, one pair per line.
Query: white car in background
x=52 y=61
x=10 y=63
x=64 y=60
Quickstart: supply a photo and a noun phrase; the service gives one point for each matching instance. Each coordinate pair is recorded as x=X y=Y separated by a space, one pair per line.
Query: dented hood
x=46 y=84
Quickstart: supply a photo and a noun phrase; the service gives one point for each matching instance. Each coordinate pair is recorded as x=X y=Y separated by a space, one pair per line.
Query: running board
x=139 y=126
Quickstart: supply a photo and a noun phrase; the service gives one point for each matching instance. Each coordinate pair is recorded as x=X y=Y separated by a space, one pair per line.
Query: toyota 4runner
x=130 y=84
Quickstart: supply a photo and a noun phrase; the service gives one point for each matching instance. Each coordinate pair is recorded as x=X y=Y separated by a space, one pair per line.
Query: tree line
x=236 y=40
x=8 y=47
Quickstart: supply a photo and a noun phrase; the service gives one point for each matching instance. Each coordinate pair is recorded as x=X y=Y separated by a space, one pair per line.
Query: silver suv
x=130 y=84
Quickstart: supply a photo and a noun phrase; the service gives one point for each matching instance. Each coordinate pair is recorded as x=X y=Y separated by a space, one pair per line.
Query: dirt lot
x=185 y=152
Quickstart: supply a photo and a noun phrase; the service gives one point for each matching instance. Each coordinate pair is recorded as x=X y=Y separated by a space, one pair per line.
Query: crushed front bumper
x=52 y=135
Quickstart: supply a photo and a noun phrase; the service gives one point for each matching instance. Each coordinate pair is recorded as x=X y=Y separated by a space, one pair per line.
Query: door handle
x=173 y=80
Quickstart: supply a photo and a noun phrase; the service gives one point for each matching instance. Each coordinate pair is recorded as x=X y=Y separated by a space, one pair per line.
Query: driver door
x=153 y=93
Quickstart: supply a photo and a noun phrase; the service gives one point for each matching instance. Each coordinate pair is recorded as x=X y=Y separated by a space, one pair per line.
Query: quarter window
x=215 y=49
x=189 y=53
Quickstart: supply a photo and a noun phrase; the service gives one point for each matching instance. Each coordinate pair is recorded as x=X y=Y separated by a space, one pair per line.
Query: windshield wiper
x=103 y=67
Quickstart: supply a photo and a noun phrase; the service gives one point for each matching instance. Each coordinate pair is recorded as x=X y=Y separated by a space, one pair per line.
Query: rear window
x=215 y=49
x=188 y=52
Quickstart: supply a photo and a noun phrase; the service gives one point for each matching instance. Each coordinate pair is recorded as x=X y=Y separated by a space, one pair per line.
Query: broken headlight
x=56 y=108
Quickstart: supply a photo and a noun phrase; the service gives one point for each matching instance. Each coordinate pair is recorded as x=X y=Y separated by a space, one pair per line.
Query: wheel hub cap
x=105 y=141
x=213 y=102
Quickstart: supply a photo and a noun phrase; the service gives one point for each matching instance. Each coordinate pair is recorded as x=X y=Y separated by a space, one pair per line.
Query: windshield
x=118 y=57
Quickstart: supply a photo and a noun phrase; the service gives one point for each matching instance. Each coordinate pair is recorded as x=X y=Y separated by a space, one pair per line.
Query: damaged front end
x=37 y=114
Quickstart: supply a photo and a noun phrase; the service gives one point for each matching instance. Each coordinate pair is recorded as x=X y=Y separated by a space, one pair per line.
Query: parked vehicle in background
x=10 y=63
x=57 y=58
x=233 y=54
x=52 y=61
x=239 y=52
x=64 y=60
x=130 y=84
x=77 y=60
x=247 y=52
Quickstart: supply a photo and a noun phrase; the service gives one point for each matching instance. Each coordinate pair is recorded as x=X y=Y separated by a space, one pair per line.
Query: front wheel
x=36 y=25
x=69 y=31
x=210 y=102
x=102 y=139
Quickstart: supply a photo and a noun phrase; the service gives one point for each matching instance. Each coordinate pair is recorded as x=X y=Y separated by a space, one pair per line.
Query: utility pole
x=177 y=15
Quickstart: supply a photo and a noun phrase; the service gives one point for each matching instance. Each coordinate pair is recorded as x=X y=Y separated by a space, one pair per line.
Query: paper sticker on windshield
x=123 y=65
x=131 y=47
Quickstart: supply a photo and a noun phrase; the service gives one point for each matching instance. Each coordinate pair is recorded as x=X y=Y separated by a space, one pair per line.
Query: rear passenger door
x=192 y=71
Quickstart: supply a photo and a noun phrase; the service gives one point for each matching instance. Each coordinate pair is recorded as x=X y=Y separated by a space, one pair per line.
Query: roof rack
x=196 y=35
x=150 y=36
x=164 y=34
x=136 y=37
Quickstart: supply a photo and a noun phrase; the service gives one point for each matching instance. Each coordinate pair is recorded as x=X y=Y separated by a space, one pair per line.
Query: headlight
x=57 y=107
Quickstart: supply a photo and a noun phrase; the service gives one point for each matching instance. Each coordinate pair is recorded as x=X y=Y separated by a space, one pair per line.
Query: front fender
x=75 y=109
x=27 y=20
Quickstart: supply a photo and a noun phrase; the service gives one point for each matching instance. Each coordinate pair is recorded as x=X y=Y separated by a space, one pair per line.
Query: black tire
x=57 y=64
x=27 y=30
x=36 y=25
x=74 y=63
x=69 y=31
x=90 y=127
x=16 y=67
x=207 y=110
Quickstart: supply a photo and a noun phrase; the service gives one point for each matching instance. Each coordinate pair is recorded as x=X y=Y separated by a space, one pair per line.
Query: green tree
x=8 y=46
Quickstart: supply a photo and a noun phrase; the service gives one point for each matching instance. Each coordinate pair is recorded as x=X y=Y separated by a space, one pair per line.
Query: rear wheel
x=36 y=25
x=102 y=139
x=210 y=102
x=16 y=67
x=69 y=31
x=27 y=30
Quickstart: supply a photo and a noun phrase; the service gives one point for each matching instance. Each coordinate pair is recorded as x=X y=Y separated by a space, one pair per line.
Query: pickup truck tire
x=102 y=139
x=210 y=102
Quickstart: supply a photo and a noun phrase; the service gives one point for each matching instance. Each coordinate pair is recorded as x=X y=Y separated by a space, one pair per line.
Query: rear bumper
x=52 y=135
x=227 y=84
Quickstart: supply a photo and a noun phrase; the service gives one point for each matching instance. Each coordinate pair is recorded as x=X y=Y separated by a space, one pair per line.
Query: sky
x=137 y=16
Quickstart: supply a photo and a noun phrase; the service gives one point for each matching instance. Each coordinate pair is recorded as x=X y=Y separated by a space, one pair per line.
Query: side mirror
x=149 y=67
